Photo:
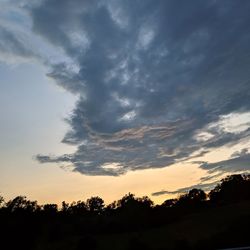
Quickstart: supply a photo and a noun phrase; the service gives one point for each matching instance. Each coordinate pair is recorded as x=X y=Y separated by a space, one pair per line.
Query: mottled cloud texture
x=150 y=77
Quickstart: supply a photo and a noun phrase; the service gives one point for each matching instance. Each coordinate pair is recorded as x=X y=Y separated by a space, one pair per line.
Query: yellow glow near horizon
x=51 y=184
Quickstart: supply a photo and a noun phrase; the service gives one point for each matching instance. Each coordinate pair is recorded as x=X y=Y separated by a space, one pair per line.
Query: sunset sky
x=106 y=97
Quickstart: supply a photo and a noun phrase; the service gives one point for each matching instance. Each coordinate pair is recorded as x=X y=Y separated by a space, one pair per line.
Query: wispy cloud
x=203 y=186
x=240 y=161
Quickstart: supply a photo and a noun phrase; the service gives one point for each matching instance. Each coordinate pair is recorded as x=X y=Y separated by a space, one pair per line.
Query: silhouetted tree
x=134 y=212
x=95 y=204
x=194 y=198
x=233 y=188
x=50 y=209
x=130 y=202
x=110 y=208
x=145 y=202
x=20 y=203
x=126 y=201
x=169 y=203
x=77 y=208
x=197 y=195
x=65 y=207
x=1 y=201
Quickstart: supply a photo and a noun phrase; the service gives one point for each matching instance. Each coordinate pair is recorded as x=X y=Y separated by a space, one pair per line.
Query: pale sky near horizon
x=109 y=97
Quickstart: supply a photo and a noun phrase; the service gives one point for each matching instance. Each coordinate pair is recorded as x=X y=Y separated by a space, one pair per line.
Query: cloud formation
x=149 y=76
x=203 y=186
x=240 y=161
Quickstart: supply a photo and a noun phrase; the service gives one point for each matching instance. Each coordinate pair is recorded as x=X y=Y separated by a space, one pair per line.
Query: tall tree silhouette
x=233 y=188
x=95 y=204
x=21 y=204
x=1 y=201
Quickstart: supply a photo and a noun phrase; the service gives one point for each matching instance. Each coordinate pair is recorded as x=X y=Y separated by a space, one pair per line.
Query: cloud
x=129 y=149
x=18 y=43
x=203 y=186
x=13 y=44
x=240 y=153
x=149 y=76
x=210 y=177
x=240 y=161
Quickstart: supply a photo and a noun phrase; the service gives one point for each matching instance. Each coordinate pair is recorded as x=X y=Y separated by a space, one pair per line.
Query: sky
x=106 y=97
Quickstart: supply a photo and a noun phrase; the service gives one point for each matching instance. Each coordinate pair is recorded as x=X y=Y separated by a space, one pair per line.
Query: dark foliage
x=233 y=188
x=132 y=222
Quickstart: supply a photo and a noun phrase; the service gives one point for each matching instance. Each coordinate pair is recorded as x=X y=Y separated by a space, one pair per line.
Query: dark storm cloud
x=203 y=186
x=149 y=75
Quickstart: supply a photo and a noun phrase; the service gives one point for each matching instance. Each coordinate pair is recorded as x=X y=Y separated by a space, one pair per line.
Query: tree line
x=45 y=224
x=231 y=189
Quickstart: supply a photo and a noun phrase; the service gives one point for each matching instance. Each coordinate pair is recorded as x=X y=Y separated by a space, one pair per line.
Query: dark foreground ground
x=226 y=226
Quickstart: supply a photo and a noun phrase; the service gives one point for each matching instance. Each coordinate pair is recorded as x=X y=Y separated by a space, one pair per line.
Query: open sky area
x=106 y=97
